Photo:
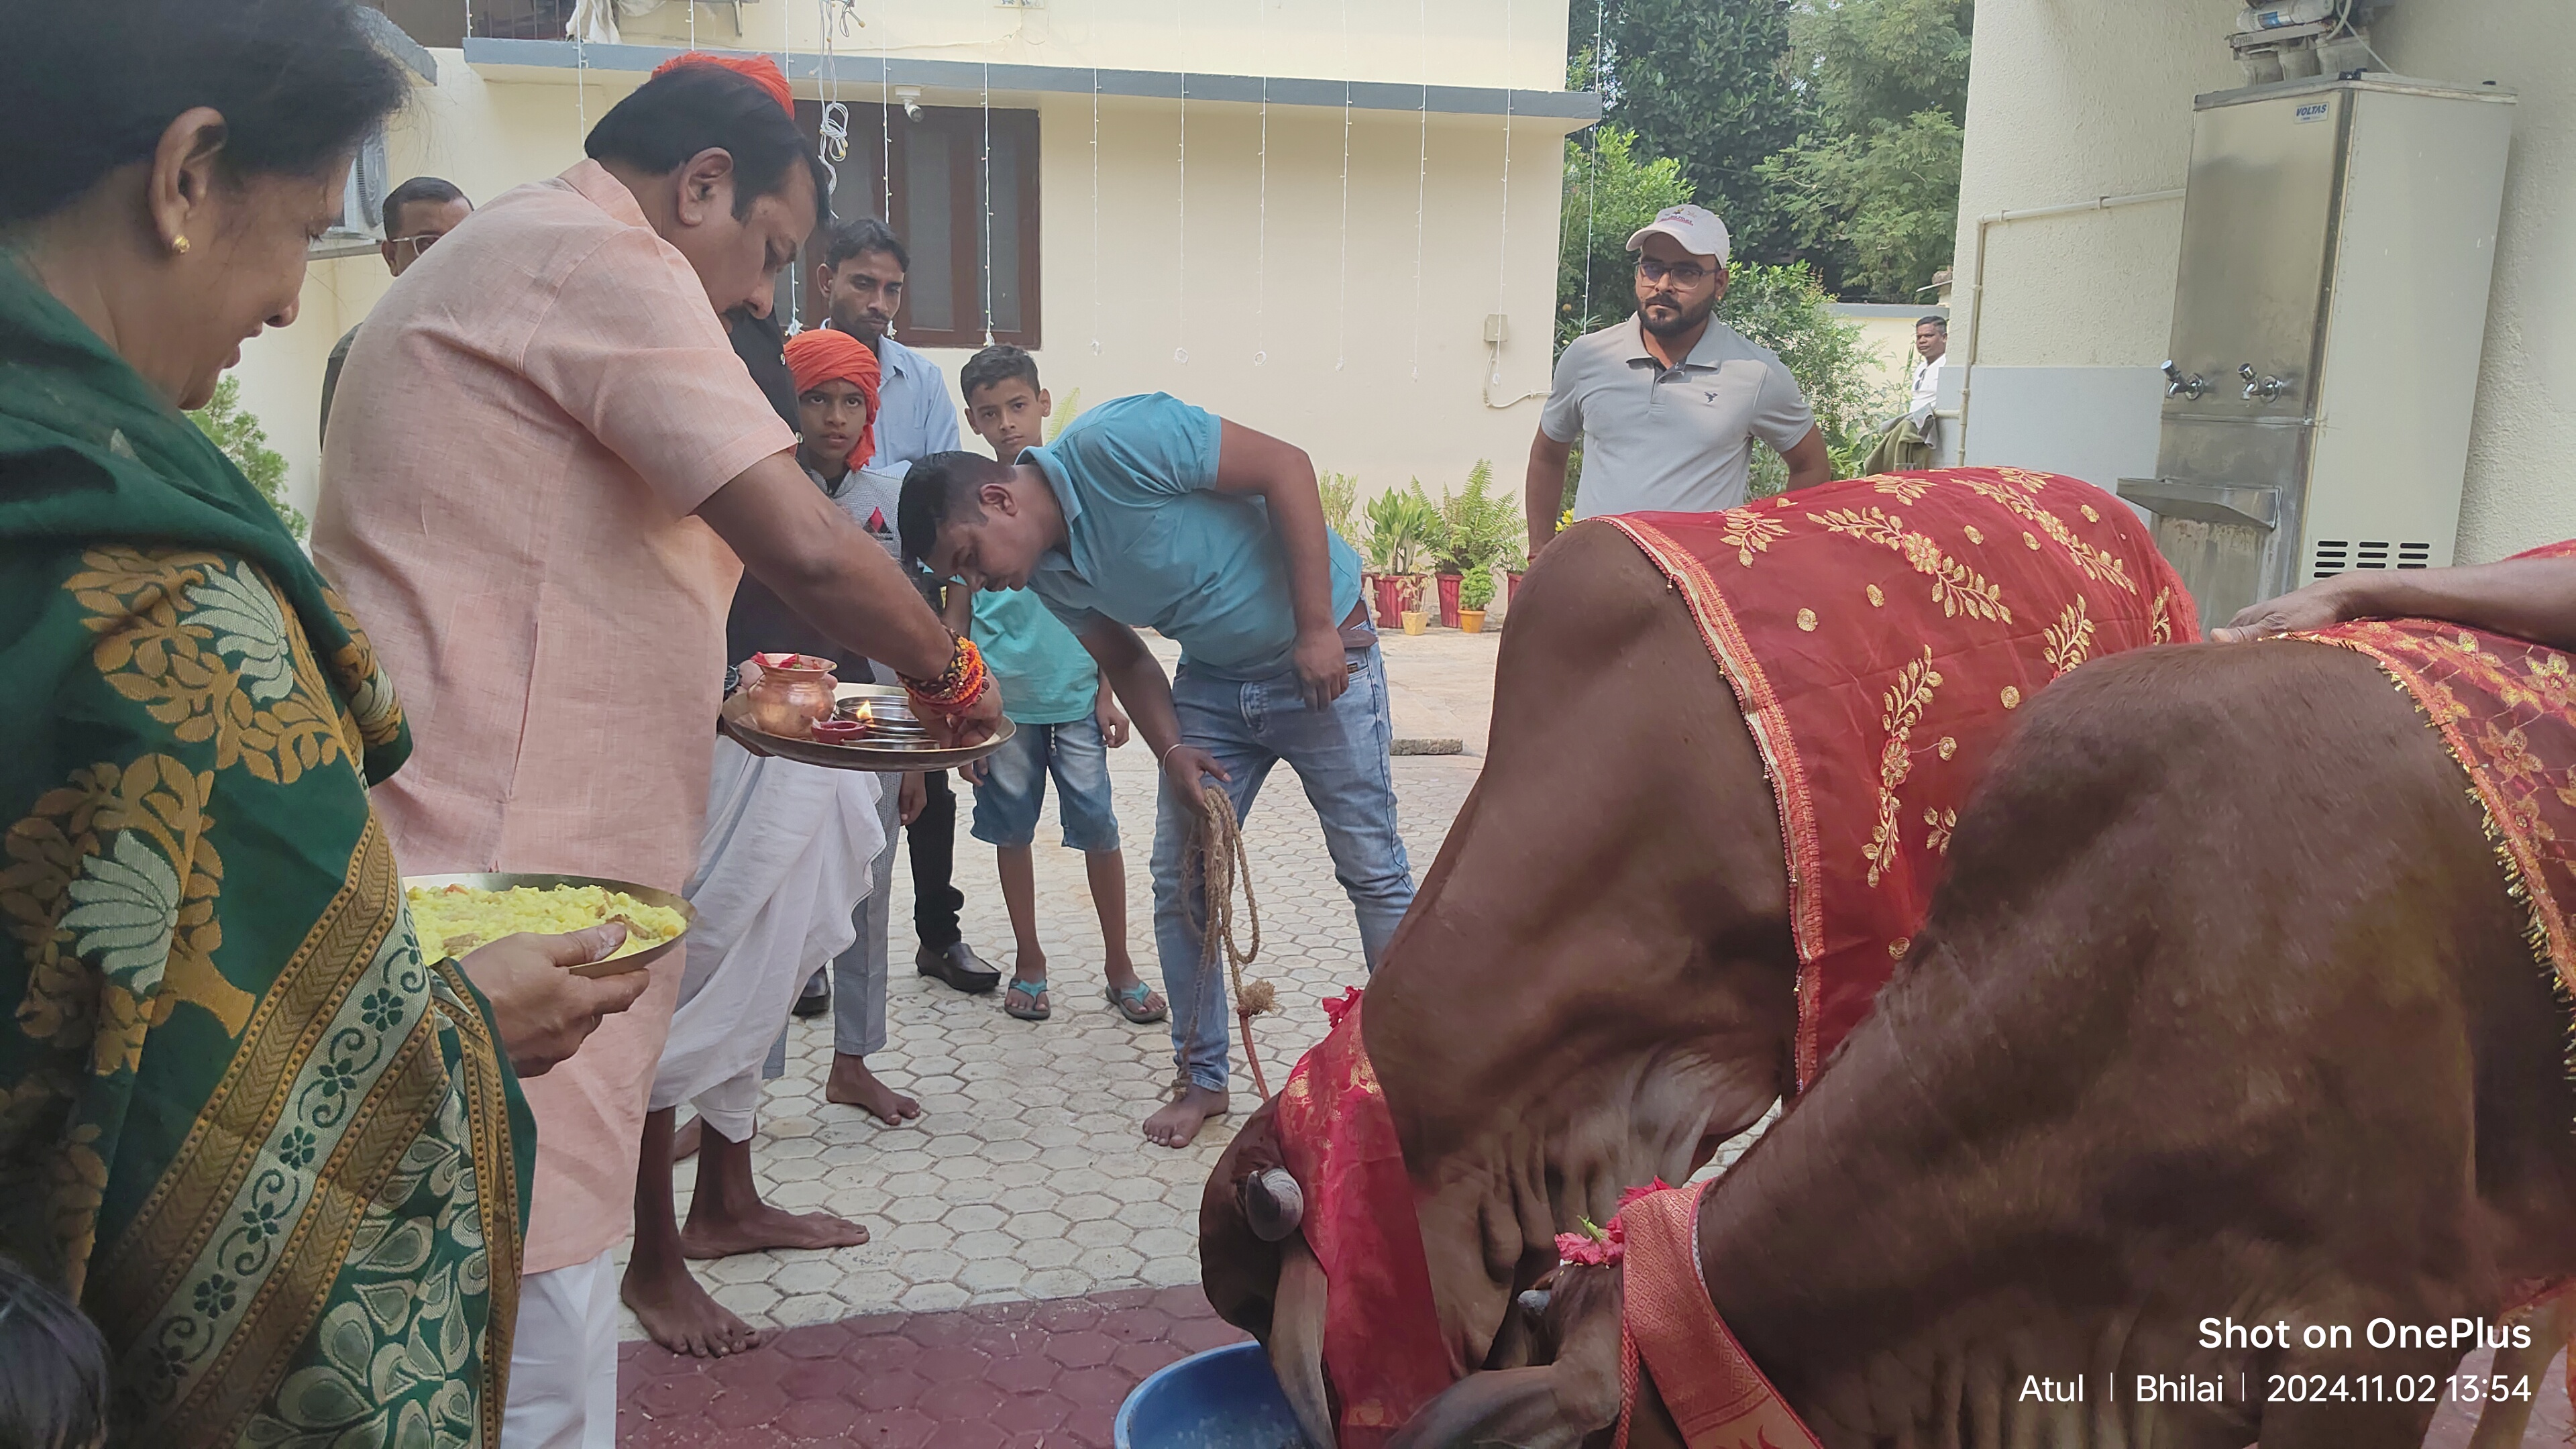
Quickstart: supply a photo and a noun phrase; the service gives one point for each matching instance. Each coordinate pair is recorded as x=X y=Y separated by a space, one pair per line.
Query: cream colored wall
x=1438 y=42
x=1290 y=324
x=2070 y=100
x=1889 y=341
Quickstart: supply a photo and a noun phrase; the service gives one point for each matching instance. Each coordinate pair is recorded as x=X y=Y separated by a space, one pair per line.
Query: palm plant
x=1481 y=526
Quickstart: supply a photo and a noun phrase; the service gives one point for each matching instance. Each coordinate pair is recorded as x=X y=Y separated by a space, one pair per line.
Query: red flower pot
x=1449 y=600
x=1389 y=593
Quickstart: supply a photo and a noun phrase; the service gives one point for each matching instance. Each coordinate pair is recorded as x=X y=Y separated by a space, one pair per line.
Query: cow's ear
x=1273 y=1203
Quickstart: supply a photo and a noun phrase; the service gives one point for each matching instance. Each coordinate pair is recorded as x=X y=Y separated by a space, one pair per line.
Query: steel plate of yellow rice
x=452 y=920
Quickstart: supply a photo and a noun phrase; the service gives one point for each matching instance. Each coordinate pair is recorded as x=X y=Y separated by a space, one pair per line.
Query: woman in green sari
x=280 y=1160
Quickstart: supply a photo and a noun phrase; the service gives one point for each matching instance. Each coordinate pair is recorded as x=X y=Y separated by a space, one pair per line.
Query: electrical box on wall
x=2329 y=317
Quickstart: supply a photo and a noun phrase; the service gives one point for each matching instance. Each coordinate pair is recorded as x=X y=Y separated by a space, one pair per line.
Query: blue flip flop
x=1035 y=991
x=1131 y=1004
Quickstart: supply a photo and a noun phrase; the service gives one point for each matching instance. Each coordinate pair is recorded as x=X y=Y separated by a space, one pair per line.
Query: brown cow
x=1596 y=979
x=2222 y=1012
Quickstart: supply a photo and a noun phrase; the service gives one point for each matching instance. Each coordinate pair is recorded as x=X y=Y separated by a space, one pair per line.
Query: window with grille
x=963 y=188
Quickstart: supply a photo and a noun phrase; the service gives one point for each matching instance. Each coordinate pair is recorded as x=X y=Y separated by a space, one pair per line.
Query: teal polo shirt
x=1150 y=544
x=1047 y=677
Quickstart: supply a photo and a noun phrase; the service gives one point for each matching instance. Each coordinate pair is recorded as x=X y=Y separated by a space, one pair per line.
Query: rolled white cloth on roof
x=785 y=855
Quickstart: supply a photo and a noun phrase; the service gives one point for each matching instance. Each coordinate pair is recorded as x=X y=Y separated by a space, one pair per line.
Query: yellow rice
x=452 y=920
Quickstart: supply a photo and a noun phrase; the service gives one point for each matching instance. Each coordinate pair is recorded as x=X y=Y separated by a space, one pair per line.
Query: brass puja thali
x=871 y=727
x=487 y=905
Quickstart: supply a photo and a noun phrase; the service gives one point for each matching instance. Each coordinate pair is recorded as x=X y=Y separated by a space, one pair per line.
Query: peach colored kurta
x=524 y=427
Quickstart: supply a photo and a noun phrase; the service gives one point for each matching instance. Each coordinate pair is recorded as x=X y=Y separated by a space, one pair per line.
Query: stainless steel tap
x=2259 y=388
x=2177 y=385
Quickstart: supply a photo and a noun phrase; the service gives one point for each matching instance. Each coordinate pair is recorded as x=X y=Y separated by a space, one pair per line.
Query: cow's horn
x=1297 y=1340
x=1274 y=1203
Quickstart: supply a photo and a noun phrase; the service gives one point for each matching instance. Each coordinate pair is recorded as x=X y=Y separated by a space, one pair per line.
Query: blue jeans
x=1014 y=787
x=1340 y=756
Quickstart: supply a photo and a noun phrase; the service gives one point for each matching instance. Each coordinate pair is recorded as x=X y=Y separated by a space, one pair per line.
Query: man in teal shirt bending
x=1147 y=511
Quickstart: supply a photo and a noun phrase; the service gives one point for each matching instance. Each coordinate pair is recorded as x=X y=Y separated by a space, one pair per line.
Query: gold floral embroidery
x=2012 y=697
x=2089 y=515
x=1807 y=620
x=2098 y=565
x=1957 y=588
x=2160 y=622
x=1902 y=709
x=1944 y=823
x=1903 y=490
x=373 y=705
x=2035 y=482
x=2069 y=641
x=1750 y=533
x=1974 y=533
x=209 y=650
x=110 y=887
x=1877 y=600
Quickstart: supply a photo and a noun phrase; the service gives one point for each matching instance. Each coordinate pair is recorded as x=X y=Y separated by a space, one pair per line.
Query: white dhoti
x=786 y=853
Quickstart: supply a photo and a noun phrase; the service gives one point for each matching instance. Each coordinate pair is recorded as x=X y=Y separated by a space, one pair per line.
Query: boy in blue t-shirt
x=1067 y=726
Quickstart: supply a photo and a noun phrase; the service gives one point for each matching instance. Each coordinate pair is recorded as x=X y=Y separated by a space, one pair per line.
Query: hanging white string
x=580 y=93
x=1095 y=208
x=885 y=123
x=1181 y=232
x=1503 y=237
x=985 y=70
x=832 y=126
x=1342 y=308
x=1261 y=227
x=1592 y=179
x=693 y=23
x=1421 y=176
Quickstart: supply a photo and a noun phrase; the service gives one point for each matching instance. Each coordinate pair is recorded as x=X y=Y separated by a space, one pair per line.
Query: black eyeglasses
x=1680 y=274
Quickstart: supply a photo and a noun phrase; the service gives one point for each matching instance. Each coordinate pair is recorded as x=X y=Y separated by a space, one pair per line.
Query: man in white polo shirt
x=1667 y=404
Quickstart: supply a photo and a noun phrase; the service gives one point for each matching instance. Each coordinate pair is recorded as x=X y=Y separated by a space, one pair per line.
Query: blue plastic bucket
x=1225 y=1398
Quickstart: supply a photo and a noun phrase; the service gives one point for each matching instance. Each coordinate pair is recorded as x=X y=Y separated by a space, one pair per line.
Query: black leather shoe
x=960 y=967
x=814 y=1003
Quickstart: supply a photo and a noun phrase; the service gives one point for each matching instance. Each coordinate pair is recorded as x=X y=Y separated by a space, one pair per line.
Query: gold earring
x=179 y=245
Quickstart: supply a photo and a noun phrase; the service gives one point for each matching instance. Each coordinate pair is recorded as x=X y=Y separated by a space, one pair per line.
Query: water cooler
x=2338 y=237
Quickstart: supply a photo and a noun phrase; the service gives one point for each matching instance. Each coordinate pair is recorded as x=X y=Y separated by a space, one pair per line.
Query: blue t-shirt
x=1150 y=543
x=1047 y=677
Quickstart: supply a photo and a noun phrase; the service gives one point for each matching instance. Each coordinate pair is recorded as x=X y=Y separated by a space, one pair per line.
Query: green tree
x=1609 y=193
x=243 y=440
x=1871 y=188
x=1706 y=83
x=1788 y=311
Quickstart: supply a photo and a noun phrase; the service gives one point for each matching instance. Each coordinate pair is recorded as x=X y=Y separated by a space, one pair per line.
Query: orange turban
x=818 y=355
x=760 y=70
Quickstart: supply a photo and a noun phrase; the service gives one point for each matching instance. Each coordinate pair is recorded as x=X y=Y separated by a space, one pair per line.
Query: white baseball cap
x=1695 y=227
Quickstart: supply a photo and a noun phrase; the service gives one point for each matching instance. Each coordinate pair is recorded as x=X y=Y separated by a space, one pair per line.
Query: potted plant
x=1479 y=526
x=1396 y=534
x=1475 y=591
x=1409 y=592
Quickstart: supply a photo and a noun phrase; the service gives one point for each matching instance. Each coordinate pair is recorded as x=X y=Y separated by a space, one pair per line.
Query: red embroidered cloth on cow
x=1879 y=634
x=2506 y=710
x=1715 y=1392
x=1383 y=1355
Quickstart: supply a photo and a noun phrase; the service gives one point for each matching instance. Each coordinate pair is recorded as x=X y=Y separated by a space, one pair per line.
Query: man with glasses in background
x=1667 y=404
x=417 y=214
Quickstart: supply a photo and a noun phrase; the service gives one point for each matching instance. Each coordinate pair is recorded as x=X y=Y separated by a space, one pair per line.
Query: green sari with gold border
x=281 y=1161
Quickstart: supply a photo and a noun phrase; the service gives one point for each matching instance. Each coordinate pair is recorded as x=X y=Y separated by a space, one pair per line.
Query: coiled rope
x=1218 y=863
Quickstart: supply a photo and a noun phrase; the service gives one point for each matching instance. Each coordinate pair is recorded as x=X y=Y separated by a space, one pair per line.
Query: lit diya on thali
x=791 y=705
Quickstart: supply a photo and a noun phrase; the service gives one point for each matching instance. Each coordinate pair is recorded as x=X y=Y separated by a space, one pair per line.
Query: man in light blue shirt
x=1147 y=511
x=861 y=280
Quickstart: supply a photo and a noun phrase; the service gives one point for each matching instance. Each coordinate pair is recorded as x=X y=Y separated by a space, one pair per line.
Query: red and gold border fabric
x=1383 y=1353
x=2506 y=710
x=1879 y=635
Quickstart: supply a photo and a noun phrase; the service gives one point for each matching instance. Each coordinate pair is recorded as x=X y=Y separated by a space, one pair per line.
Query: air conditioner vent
x=2334 y=555
x=2414 y=555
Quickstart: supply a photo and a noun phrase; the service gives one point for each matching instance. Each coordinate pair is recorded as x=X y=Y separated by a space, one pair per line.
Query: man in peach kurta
x=523 y=435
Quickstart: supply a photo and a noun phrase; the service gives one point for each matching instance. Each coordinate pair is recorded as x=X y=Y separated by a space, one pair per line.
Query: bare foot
x=712 y=1236
x=684 y=1143
x=853 y=1085
x=1177 y=1123
x=676 y=1310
